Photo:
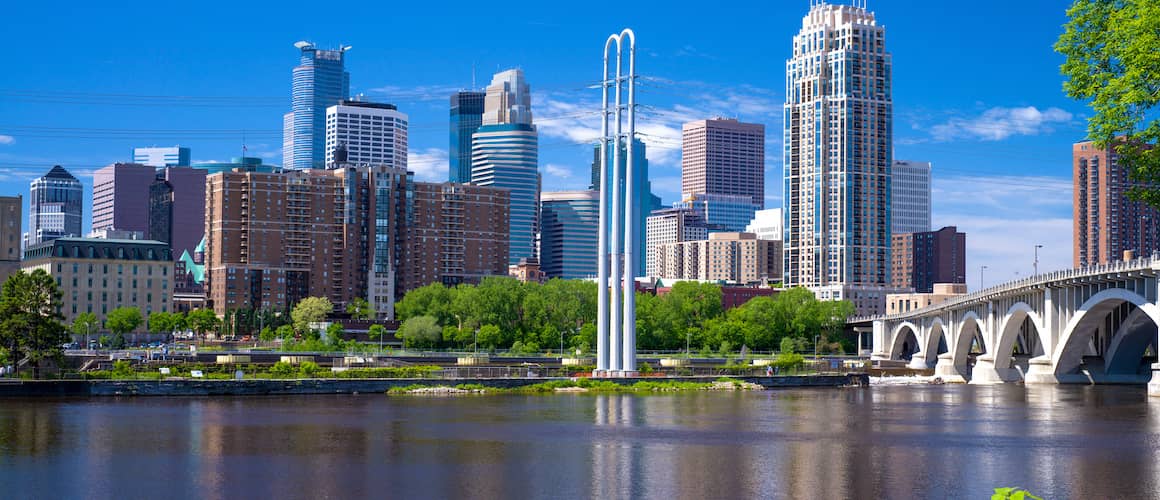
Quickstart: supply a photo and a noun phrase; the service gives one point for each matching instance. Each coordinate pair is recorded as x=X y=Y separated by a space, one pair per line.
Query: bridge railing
x=1119 y=266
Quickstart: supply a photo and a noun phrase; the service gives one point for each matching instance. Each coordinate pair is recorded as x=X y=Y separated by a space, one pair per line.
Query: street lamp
x=981 y=269
x=1035 y=265
x=816 y=348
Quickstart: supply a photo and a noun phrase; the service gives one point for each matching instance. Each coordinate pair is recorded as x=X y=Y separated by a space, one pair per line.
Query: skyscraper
x=177 y=208
x=910 y=196
x=922 y=259
x=644 y=200
x=319 y=81
x=671 y=225
x=570 y=225
x=837 y=157
x=466 y=117
x=730 y=212
x=175 y=156
x=54 y=207
x=121 y=197
x=723 y=156
x=505 y=154
x=10 y=208
x=1106 y=222
x=372 y=133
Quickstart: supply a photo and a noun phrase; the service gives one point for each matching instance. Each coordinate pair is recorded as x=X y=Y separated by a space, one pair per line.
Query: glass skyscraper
x=466 y=117
x=505 y=154
x=837 y=156
x=645 y=200
x=570 y=224
x=55 y=207
x=319 y=81
x=730 y=212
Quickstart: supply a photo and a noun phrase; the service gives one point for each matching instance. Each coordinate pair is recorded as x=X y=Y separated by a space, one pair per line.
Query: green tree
x=491 y=336
x=162 y=322
x=30 y=319
x=285 y=332
x=431 y=300
x=202 y=321
x=310 y=310
x=334 y=334
x=266 y=334
x=85 y=324
x=420 y=331
x=377 y=332
x=123 y=320
x=359 y=308
x=1110 y=50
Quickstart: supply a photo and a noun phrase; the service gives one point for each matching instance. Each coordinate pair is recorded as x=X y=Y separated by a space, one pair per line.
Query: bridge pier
x=946 y=369
x=985 y=372
x=1154 y=385
x=918 y=361
x=1040 y=371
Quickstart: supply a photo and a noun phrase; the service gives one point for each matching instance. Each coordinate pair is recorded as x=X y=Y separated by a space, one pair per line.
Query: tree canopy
x=1111 y=52
x=30 y=319
x=359 y=308
x=310 y=310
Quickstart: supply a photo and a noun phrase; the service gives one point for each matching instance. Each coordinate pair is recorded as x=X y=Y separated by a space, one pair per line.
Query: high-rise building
x=644 y=199
x=766 y=224
x=121 y=197
x=505 y=154
x=98 y=275
x=910 y=196
x=458 y=233
x=55 y=207
x=176 y=212
x=175 y=156
x=1106 y=222
x=920 y=260
x=10 y=215
x=371 y=133
x=671 y=225
x=726 y=256
x=723 y=157
x=730 y=212
x=466 y=117
x=569 y=229
x=319 y=81
x=837 y=157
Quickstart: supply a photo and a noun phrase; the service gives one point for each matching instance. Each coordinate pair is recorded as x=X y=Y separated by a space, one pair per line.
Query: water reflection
x=882 y=442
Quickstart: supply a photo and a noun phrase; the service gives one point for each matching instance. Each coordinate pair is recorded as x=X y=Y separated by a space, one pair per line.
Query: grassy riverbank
x=580 y=385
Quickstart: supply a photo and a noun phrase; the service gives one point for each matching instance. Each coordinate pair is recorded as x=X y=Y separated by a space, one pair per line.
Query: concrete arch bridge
x=1090 y=325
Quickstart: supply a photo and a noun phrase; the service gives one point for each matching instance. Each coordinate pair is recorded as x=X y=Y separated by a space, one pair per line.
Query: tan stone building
x=10 y=219
x=903 y=302
x=98 y=275
x=729 y=257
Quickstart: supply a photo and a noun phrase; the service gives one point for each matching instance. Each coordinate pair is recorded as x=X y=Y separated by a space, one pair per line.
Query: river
x=949 y=441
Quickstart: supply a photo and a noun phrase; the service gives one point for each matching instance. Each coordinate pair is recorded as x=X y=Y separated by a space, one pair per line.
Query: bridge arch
x=970 y=326
x=1130 y=343
x=1013 y=321
x=1069 y=355
x=936 y=331
x=902 y=334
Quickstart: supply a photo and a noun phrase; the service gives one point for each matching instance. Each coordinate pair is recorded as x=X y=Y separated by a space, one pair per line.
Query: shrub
x=122 y=369
x=282 y=369
x=309 y=368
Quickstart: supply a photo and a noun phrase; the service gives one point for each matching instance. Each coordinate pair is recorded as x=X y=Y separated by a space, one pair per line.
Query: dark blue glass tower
x=466 y=117
x=319 y=81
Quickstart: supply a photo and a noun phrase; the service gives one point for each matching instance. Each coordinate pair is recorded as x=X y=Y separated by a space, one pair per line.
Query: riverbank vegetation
x=580 y=385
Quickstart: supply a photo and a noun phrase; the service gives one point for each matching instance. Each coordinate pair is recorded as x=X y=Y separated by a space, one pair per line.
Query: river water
x=949 y=441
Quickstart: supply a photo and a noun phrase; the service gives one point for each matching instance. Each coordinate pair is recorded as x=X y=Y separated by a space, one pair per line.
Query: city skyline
x=996 y=157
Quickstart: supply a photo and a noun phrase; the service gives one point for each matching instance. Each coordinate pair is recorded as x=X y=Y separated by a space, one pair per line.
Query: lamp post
x=1035 y=265
x=816 y=348
x=475 y=342
x=981 y=269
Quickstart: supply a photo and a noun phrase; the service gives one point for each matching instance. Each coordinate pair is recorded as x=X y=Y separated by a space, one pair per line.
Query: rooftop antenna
x=472 y=75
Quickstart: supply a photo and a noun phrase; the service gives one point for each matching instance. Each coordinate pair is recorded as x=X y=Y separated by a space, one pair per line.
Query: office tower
x=723 y=156
x=730 y=257
x=121 y=197
x=1106 y=222
x=175 y=156
x=505 y=154
x=176 y=208
x=570 y=225
x=766 y=224
x=919 y=260
x=371 y=133
x=55 y=207
x=837 y=157
x=458 y=234
x=98 y=275
x=645 y=200
x=319 y=81
x=466 y=117
x=910 y=196
x=10 y=215
x=671 y=225
x=730 y=212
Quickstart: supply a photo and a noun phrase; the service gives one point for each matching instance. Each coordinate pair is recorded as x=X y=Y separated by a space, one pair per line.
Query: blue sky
x=977 y=90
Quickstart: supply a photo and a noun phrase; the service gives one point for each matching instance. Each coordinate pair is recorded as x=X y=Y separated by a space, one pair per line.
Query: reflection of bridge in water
x=1091 y=325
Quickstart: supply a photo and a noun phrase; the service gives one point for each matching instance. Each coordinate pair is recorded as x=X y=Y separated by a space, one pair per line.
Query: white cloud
x=429 y=164
x=7 y=139
x=999 y=123
x=558 y=171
